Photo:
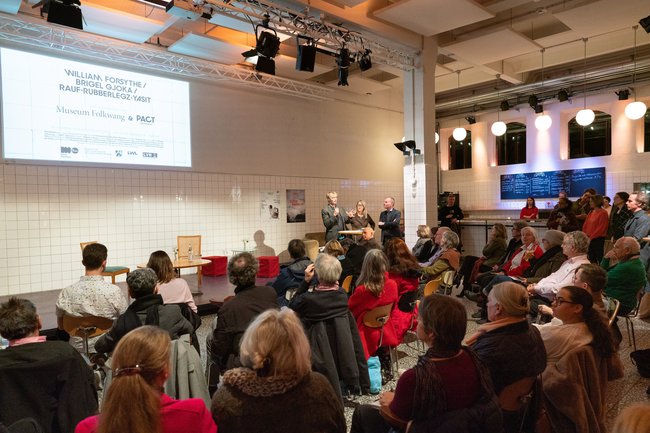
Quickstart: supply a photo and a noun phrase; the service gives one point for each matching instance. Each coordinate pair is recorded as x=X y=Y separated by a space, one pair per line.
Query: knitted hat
x=554 y=237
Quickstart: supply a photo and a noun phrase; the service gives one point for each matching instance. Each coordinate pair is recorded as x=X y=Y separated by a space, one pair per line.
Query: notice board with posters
x=548 y=184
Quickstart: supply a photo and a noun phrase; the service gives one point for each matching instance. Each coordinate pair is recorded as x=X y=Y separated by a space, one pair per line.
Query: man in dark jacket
x=148 y=308
x=236 y=314
x=45 y=380
x=292 y=275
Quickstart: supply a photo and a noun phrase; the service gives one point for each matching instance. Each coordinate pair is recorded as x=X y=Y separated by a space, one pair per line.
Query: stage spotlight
x=563 y=95
x=504 y=105
x=623 y=94
x=343 y=62
x=645 y=23
x=66 y=13
x=538 y=109
x=400 y=146
x=365 y=62
x=533 y=101
x=267 y=46
x=410 y=144
x=470 y=119
x=306 y=57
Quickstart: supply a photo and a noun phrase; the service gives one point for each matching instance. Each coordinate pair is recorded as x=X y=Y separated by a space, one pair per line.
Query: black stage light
x=645 y=23
x=268 y=44
x=306 y=56
x=401 y=147
x=66 y=13
x=563 y=95
x=266 y=65
x=470 y=119
x=538 y=109
x=343 y=62
x=623 y=94
x=409 y=144
x=365 y=62
x=532 y=101
x=504 y=105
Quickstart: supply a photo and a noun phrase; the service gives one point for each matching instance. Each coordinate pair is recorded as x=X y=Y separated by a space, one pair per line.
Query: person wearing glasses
x=581 y=324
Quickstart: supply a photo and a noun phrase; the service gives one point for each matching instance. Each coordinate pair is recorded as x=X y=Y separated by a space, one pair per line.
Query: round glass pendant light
x=437 y=137
x=585 y=117
x=543 y=122
x=459 y=134
x=499 y=128
x=635 y=110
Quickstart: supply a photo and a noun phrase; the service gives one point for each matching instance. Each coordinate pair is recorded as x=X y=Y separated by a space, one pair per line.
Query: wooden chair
x=347 y=284
x=515 y=400
x=312 y=248
x=377 y=318
x=432 y=286
x=86 y=327
x=447 y=284
x=183 y=244
x=110 y=271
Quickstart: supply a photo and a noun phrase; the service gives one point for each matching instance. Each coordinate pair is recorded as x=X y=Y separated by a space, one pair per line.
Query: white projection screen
x=61 y=110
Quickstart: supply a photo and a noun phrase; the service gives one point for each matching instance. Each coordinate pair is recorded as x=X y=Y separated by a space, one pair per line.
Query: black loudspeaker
x=66 y=13
x=306 y=58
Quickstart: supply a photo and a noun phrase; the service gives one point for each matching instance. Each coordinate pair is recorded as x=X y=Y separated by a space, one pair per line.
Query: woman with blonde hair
x=423 y=247
x=507 y=345
x=359 y=218
x=374 y=289
x=135 y=402
x=275 y=389
x=173 y=290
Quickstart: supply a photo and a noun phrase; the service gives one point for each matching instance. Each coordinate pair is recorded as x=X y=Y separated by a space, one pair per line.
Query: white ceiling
x=480 y=38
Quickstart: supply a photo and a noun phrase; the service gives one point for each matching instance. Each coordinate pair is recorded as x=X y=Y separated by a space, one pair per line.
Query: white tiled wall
x=46 y=211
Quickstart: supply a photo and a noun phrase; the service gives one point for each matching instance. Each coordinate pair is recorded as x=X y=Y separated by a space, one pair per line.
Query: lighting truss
x=329 y=37
x=28 y=31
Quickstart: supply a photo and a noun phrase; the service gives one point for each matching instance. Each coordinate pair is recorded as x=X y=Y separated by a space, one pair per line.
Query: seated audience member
x=147 y=308
x=172 y=289
x=436 y=251
x=550 y=261
x=626 y=274
x=403 y=268
x=292 y=275
x=368 y=240
x=593 y=279
x=449 y=258
x=530 y=211
x=374 y=289
x=336 y=250
x=135 y=402
x=508 y=346
x=595 y=227
x=562 y=218
x=423 y=247
x=275 y=389
x=492 y=253
x=359 y=218
x=575 y=246
x=330 y=328
x=581 y=324
x=513 y=245
x=237 y=313
x=448 y=388
x=91 y=295
x=48 y=381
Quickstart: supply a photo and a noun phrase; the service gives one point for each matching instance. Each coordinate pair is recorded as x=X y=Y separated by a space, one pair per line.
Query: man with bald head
x=625 y=273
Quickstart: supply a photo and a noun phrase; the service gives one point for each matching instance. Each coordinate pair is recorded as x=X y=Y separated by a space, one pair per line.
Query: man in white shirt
x=91 y=295
x=574 y=246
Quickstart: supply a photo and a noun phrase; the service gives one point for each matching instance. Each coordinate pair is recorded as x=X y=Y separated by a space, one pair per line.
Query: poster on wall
x=270 y=205
x=296 y=206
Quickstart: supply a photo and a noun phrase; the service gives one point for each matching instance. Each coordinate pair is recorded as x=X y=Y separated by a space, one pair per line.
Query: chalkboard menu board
x=549 y=183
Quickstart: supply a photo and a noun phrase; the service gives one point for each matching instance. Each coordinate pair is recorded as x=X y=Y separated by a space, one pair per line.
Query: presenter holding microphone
x=334 y=218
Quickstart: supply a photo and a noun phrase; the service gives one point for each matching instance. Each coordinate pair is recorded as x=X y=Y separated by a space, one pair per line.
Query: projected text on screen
x=61 y=110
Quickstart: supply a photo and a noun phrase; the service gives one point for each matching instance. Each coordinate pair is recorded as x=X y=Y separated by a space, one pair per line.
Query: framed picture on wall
x=296 y=206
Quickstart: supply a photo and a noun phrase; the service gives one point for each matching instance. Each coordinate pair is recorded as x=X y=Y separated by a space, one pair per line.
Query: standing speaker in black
x=306 y=58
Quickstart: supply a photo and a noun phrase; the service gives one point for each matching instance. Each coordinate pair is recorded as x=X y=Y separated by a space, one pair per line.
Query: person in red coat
x=595 y=227
x=521 y=258
x=403 y=268
x=374 y=289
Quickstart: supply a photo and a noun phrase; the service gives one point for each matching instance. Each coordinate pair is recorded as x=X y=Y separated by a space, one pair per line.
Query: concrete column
x=421 y=172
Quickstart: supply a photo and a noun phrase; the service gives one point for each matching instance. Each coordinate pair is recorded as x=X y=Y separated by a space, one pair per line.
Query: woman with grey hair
x=449 y=258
